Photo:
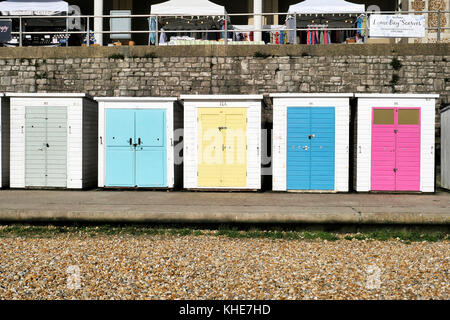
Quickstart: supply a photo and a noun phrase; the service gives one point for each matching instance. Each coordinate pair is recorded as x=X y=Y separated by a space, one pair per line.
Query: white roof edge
x=222 y=97
x=311 y=95
x=49 y=95
x=399 y=96
x=447 y=108
x=2 y=94
x=142 y=99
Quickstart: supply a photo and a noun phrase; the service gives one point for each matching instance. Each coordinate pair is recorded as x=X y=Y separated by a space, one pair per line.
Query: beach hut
x=136 y=145
x=310 y=149
x=222 y=142
x=53 y=140
x=395 y=142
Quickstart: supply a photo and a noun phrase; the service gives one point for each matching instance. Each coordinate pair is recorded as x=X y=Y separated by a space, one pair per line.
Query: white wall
x=342 y=118
x=254 y=112
x=364 y=138
x=123 y=103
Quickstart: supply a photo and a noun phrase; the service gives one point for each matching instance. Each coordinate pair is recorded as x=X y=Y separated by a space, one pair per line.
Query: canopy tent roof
x=36 y=7
x=189 y=15
x=331 y=13
x=326 y=6
x=188 y=8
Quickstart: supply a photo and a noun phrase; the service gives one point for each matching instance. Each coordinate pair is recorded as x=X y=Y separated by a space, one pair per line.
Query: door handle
x=47 y=145
x=131 y=142
x=139 y=141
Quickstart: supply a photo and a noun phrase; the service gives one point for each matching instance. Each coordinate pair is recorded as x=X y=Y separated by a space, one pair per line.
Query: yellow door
x=234 y=171
x=222 y=147
x=210 y=144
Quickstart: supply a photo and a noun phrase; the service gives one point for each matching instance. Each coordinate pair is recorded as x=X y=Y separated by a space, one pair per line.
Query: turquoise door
x=151 y=148
x=135 y=148
x=310 y=148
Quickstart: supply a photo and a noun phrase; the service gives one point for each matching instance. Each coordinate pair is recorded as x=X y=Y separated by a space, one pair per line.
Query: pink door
x=396 y=149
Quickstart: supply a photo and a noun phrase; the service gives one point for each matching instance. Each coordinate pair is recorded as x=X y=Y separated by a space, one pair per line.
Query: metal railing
x=85 y=32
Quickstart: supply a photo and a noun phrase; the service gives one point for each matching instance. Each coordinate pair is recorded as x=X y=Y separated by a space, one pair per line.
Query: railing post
x=156 y=32
x=226 y=29
x=67 y=29
x=20 y=31
x=366 y=28
x=88 y=38
x=439 y=26
x=295 y=28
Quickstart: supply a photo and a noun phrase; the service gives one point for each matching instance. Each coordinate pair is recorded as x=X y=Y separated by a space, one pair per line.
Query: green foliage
x=396 y=64
x=43 y=75
x=261 y=55
x=255 y=232
x=394 y=81
x=117 y=57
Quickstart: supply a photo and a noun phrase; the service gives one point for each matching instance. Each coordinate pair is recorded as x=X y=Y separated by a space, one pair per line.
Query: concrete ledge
x=346 y=218
x=188 y=207
x=227 y=51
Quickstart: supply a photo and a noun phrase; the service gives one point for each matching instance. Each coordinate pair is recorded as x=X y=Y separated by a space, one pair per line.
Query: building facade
x=102 y=7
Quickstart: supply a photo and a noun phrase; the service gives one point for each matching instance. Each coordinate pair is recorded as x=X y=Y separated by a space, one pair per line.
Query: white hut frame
x=82 y=119
x=192 y=103
x=4 y=142
x=363 y=147
x=341 y=103
x=174 y=120
x=445 y=148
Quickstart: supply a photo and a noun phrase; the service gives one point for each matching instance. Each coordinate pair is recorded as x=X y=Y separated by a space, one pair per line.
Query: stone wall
x=171 y=71
x=124 y=72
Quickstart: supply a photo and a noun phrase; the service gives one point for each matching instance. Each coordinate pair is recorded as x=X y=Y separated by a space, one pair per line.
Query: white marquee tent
x=36 y=7
x=180 y=15
x=333 y=13
x=326 y=7
x=191 y=8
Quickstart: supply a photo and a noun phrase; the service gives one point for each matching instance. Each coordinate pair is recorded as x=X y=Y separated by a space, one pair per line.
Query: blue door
x=298 y=149
x=120 y=152
x=151 y=148
x=135 y=148
x=310 y=148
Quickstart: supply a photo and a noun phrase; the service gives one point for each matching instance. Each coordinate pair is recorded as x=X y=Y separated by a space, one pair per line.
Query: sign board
x=397 y=26
x=5 y=30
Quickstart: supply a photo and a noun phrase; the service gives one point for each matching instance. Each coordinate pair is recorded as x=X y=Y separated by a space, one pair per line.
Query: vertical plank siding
x=341 y=137
x=79 y=128
x=253 y=137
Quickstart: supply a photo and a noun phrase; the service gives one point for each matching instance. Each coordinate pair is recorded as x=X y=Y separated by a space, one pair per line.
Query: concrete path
x=157 y=206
